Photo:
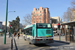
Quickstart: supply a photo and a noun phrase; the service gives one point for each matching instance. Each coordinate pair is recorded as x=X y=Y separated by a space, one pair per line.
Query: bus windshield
x=43 y=26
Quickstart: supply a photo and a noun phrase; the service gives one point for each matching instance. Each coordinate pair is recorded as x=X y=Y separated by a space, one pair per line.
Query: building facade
x=0 y=25
x=40 y=15
x=54 y=22
x=8 y=23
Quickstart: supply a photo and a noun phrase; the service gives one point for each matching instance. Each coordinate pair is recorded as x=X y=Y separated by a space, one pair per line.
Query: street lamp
x=11 y=11
x=6 y=22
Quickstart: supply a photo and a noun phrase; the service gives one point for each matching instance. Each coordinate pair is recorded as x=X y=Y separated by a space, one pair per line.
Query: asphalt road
x=24 y=45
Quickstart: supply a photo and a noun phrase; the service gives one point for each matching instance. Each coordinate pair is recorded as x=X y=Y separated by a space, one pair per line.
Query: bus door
x=29 y=33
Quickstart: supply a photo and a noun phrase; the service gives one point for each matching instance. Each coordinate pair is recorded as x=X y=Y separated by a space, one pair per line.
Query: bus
x=39 y=33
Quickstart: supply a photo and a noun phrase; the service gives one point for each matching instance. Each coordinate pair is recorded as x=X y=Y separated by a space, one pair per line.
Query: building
x=54 y=21
x=8 y=23
x=0 y=25
x=40 y=15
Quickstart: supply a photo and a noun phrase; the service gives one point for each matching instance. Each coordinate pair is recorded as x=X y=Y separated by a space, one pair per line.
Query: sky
x=23 y=7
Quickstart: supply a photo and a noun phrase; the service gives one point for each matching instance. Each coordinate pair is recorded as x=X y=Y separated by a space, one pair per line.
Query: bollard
x=15 y=45
x=12 y=44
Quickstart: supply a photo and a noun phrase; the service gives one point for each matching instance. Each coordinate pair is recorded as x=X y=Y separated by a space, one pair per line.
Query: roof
x=28 y=26
x=69 y=23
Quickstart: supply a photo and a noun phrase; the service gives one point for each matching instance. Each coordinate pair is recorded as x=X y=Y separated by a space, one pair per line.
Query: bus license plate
x=44 y=39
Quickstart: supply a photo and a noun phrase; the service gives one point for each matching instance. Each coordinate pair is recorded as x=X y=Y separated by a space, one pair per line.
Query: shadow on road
x=41 y=45
x=56 y=43
x=61 y=41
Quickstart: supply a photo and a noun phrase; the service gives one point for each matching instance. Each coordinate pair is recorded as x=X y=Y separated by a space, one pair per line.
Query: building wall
x=59 y=20
x=40 y=15
x=0 y=25
x=56 y=21
x=8 y=23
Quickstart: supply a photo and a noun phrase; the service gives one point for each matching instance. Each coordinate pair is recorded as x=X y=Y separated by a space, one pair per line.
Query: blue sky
x=23 y=7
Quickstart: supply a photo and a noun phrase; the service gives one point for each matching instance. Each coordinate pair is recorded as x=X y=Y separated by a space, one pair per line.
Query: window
x=40 y=17
x=34 y=18
x=43 y=25
x=34 y=21
x=37 y=14
x=40 y=14
x=34 y=15
x=28 y=31
x=40 y=21
x=34 y=12
x=37 y=18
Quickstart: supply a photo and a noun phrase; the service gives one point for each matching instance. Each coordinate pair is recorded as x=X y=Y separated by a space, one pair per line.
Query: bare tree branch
x=28 y=19
x=67 y=16
x=73 y=4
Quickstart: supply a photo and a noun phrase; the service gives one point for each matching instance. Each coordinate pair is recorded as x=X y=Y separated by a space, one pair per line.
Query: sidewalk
x=6 y=46
x=56 y=39
x=22 y=44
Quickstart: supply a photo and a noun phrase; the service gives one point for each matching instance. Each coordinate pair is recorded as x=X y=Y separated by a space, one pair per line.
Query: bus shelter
x=69 y=31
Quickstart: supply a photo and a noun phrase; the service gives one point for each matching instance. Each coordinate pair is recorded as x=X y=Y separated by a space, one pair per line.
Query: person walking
x=14 y=34
x=18 y=35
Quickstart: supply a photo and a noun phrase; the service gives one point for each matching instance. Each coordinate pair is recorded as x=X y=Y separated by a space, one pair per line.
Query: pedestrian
x=18 y=35
x=11 y=34
x=14 y=34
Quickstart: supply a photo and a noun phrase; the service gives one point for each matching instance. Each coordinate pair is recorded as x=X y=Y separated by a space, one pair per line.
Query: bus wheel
x=30 y=43
x=25 y=39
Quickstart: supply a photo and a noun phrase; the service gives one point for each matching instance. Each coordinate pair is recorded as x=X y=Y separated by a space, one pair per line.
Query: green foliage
x=15 y=25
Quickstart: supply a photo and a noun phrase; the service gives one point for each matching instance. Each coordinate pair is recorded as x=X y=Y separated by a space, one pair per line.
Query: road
x=24 y=45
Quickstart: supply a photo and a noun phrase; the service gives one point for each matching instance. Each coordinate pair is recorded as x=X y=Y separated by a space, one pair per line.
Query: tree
x=18 y=22
x=28 y=19
x=69 y=13
x=15 y=24
x=73 y=3
x=67 y=16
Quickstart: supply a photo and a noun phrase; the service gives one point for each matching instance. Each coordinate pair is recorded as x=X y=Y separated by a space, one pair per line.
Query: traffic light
x=10 y=26
x=58 y=26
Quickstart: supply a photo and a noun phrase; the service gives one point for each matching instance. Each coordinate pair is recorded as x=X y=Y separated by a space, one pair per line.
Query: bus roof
x=28 y=26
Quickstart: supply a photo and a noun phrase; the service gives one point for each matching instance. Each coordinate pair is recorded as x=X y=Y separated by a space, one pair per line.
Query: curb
x=62 y=42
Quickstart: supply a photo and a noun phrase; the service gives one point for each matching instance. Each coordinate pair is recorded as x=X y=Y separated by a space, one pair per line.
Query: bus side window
x=24 y=32
x=33 y=32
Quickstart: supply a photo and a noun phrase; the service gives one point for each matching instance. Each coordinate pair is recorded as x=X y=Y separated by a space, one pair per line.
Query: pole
x=6 y=22
x=59 y=35
x=10 y=33
x=59 y=31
